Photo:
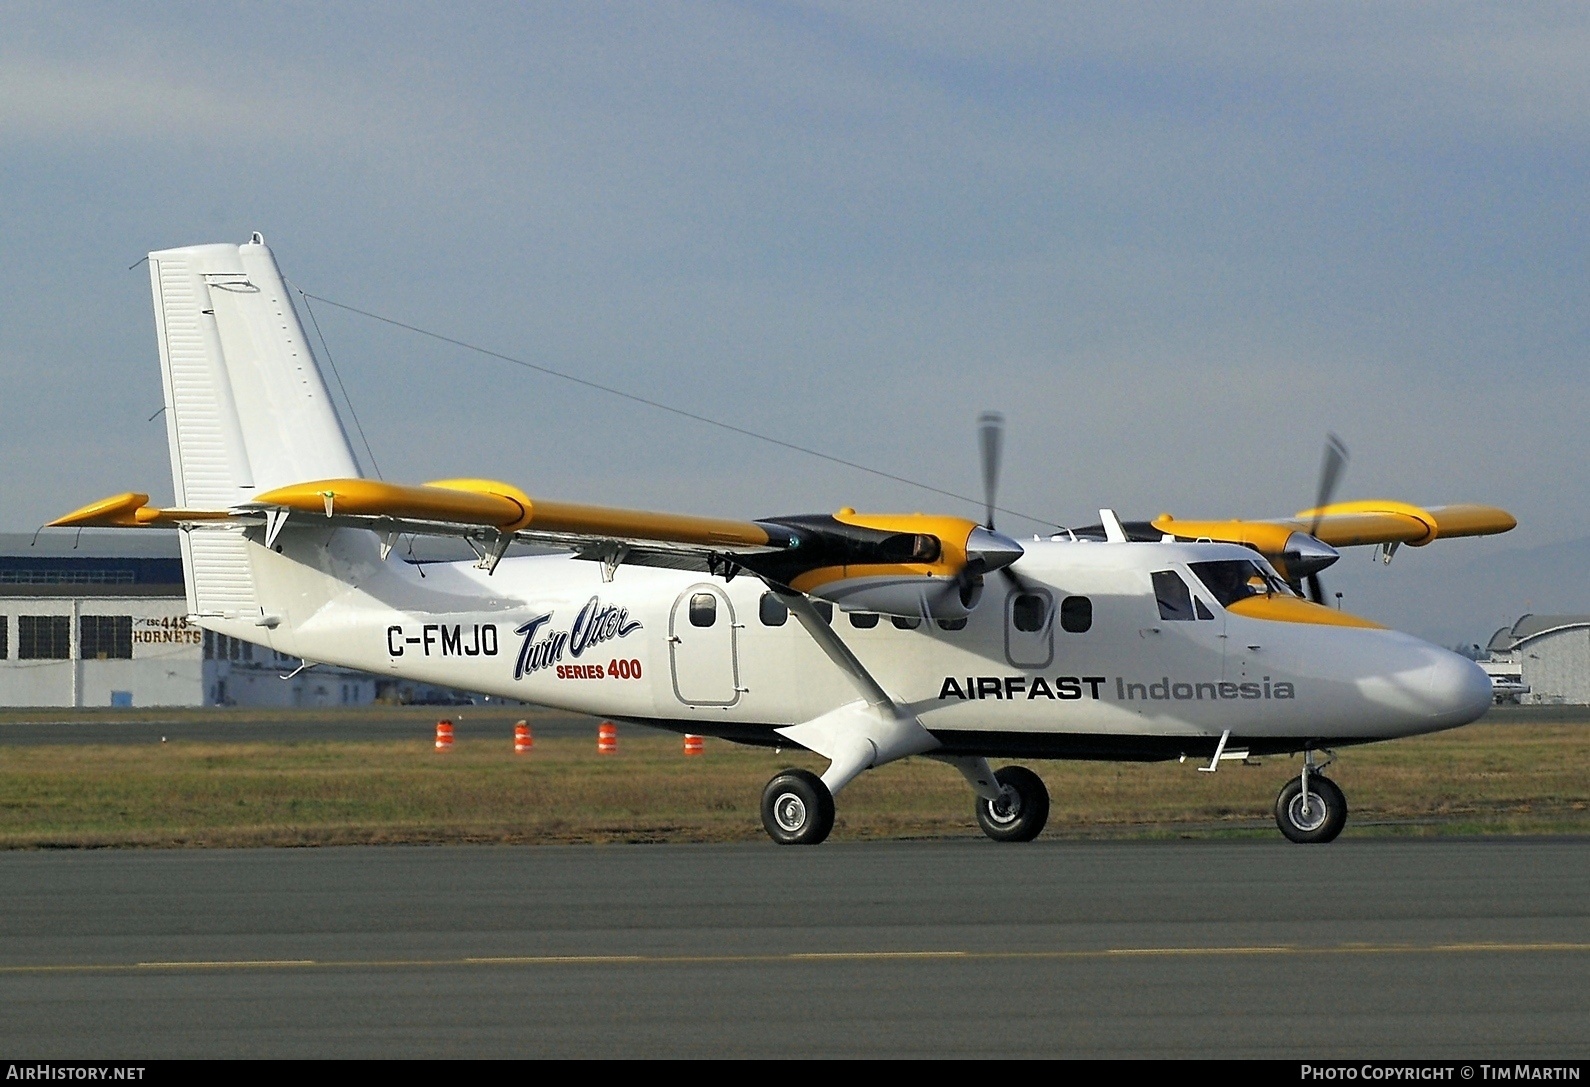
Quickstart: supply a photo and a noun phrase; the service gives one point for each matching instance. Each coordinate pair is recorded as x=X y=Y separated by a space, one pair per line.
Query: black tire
x=1021 y=819
x=1325 y=818
x=797 y=808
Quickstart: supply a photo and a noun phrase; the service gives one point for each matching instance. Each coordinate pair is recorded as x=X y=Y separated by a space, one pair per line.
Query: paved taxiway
x=1433 y=948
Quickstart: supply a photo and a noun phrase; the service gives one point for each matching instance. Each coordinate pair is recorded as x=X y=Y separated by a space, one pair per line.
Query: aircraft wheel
x=1326 y=812
x=797 y=808
x=1019 y=815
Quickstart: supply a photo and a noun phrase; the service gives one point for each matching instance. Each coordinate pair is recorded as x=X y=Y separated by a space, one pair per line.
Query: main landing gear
x=1310 y=807
x=797 y=808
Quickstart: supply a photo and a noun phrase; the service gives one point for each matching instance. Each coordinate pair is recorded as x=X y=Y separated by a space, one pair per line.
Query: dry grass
x=1485 y=779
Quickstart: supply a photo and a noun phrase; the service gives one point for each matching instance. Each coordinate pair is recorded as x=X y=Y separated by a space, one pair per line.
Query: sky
x=1175 y=244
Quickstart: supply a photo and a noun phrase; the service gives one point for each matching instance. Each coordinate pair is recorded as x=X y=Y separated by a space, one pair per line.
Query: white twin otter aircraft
x=951 y=641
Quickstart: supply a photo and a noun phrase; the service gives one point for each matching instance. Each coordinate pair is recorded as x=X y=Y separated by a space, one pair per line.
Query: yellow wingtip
x=117 y=511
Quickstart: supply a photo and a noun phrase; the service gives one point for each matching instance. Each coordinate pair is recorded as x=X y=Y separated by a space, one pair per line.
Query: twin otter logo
x=543 y=646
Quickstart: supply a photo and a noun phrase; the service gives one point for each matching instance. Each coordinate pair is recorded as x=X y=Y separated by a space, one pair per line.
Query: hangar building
x=1549 y=655
x=100 y=619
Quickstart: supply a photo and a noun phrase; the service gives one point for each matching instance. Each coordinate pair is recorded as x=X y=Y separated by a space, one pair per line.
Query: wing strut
x=801 y=607
x=859 y=735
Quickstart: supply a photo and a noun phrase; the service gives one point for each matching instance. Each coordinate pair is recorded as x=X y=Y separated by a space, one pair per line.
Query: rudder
x=246 y=407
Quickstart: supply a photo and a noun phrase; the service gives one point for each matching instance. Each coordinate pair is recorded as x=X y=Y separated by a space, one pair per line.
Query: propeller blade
x=1316 y=591
x=1330 y=474
x=1016 y=580
x=991 y=441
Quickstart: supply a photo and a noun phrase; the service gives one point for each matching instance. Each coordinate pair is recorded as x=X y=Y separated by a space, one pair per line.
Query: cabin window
x=1172 y=596
x=1029 y=612
x=953 y=624
x=44 y=637
x=5 y=639
x=1076 y=614
x=825 y=609
x=906 y=622
x=863 y=620
x=703 y=609
x=772 y=611
x=105 y=637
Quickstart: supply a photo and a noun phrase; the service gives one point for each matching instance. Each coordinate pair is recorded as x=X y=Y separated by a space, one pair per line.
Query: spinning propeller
x=1312 y=555
x=986 y=548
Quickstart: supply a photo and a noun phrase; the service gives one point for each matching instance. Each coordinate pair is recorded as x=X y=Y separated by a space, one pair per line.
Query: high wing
x=1293 y=544
x=893 y=563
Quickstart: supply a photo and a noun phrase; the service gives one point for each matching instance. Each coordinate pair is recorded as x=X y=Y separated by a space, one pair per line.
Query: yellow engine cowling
x=939 y=574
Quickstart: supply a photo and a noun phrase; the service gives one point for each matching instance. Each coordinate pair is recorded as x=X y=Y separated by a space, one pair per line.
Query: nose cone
x=987 y=550
x=1459 y=690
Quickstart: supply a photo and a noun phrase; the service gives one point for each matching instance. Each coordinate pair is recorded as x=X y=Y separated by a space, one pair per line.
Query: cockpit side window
x=1172 y=595
x=1231 y=580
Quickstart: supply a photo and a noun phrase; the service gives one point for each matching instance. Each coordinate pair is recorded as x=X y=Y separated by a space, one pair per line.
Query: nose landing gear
x=1310 y=808
x=1021 y=810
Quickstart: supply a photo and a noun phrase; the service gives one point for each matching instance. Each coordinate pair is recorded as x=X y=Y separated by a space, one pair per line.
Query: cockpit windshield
x=1230 y=580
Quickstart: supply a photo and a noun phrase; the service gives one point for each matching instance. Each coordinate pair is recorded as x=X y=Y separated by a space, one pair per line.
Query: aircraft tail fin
x=246 y=407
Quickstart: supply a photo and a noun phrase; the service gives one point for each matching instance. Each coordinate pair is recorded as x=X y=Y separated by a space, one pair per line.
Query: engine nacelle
x=908 y=565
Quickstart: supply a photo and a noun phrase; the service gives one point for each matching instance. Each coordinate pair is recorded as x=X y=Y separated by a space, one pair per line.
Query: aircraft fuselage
x=1104 y=674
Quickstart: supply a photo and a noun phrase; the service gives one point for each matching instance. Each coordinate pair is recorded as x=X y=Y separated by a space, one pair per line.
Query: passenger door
x=702 y=648
x=1029 y=628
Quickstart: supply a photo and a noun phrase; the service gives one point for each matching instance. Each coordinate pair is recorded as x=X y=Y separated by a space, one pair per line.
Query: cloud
x=1175 y=243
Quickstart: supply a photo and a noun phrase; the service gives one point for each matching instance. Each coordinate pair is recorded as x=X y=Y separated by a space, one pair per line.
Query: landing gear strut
x=1310 y=808
x=1021 y=810
x=797 y=808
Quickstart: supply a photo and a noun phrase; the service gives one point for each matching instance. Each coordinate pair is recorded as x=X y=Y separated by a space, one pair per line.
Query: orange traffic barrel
x=607 y=738
x=522 y=740
x=444 y=735
x=695 y=745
